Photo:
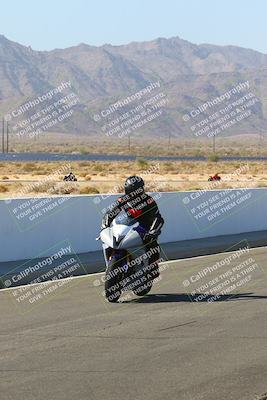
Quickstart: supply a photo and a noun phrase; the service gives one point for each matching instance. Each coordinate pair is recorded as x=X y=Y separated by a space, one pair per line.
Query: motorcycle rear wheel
x=143 y=290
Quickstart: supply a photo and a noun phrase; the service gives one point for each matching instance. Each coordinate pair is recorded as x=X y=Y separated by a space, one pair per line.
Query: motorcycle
x=127 y=266
x=215 y=177
x=70 y=177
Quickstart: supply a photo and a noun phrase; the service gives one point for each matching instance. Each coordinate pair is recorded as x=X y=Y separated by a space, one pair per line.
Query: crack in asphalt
x=177 y=326
x=71 y=371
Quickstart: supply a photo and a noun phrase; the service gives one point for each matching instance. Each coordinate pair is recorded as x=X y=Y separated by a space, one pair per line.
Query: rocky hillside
x=189 y=75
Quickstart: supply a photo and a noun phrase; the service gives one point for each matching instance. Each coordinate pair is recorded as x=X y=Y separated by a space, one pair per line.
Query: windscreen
x=124 y=219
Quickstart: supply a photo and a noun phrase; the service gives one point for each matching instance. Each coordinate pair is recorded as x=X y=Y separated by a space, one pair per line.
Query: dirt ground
x=23 y=179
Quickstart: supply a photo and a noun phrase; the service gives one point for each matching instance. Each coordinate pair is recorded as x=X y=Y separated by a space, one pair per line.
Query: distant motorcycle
x=70 y=177
x=125 y=270
x=215 y=177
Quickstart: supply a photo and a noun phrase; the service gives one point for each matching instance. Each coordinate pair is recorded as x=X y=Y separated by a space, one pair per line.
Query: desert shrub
x=29 y=167
x=5 y=177
x=64 y=188
x=42 y=187
x=83 y=164
x=89 y=190
x=213 y=158
x=84 y=150
x=99 y=168
x=170 y=167
x=41 y=171
x=88 y=178
x=3 y=189
x=261 y=185
x=142 y=163
x=194 y=188
x=164 y=188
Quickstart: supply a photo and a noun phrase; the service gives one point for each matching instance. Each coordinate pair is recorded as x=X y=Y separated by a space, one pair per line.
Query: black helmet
x=133 y=183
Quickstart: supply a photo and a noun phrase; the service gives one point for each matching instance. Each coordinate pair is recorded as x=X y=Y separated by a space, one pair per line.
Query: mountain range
x=189 y=76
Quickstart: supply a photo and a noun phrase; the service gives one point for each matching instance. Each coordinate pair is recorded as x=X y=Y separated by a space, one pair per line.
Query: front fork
x=122 y=255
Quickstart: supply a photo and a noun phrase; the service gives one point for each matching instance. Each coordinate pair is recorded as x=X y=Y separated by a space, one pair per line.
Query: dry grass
x=88 y=190
x=109 y=176
x=251 y=144
x=42 y=187
x=64 y=188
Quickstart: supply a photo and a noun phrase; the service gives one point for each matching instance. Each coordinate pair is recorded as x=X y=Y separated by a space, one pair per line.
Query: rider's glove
x=105 y=223
x=150 y=236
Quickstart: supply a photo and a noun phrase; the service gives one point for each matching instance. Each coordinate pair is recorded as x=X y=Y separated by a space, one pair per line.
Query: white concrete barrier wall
x=30 y=227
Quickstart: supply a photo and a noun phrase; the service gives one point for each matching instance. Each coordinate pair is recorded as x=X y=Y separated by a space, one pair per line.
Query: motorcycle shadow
x=197 y=298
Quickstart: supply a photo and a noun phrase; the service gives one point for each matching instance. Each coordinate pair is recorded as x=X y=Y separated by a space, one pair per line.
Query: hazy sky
x=53 y=24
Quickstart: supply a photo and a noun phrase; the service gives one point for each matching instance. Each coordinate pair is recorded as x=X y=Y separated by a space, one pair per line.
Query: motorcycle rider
x=139 y=205
x=70 y=177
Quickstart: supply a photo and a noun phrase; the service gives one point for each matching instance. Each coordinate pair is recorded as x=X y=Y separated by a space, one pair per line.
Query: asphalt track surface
x=167 y=345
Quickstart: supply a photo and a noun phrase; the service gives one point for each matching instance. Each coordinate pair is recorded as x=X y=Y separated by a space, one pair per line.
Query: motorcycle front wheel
x=113 y=281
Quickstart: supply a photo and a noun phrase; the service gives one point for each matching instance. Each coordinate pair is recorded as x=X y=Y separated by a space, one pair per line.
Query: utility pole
x=7 y=138
x=5 y=131
x=3 y=136
x=169 y=140
x=260 y=139
x=129 y=142
x=213 y=143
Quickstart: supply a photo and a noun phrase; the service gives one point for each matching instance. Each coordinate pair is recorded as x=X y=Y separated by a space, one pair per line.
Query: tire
x=113 y=281
x=143 y=290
